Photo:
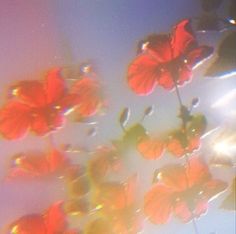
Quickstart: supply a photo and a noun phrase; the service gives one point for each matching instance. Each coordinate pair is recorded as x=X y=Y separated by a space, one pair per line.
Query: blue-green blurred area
x=39 y=35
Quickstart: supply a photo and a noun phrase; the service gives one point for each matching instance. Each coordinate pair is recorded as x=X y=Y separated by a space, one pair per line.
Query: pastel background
x=38 y=35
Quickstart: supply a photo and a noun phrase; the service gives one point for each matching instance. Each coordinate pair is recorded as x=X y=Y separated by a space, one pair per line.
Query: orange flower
x=182 y=191
x=51 y=222
x=151 y=148
x=37 y=164
x=180 y=144
x=187 y=140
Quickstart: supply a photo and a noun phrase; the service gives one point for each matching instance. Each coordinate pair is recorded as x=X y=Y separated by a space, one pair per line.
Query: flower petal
x=185 y=74
x=44 y=121
x=34 y=164
x=56 y=160
x=54 y=86
x=28 y=224
x=159 y=46
x=165 y=80
x=182 y=38
x=201 y=208
x=150 y=148
x=142 y=74
x=158 y=204
x=55 y=219
x=173 y=176
x=197 y=171
x=89 y=96
x=14 y=120
x=31 y=93
x=182 y=211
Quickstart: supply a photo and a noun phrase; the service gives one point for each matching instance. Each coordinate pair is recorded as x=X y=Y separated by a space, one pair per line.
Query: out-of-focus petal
x=176 y=143
x=182 y=38
x=89 y=96
x=54 y=86
x=40 y=123
x=185 y=74
x=197 y=171
x=159 y=47
x=30 y=93
x=173 y=176
x=55 y=219
x=15 y=120
x=165 y=79
x=44 y=121
x=201 y=208
x=56 y=160
x=143 y=74
x=150 y=148
x=182 y=211
x=158 y=204
x=29 y=224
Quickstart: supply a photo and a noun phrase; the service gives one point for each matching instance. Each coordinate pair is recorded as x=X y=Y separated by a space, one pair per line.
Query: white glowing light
x=232 y=21
x=144 y=46
x=225 y=147
x=86 y=69
x=224 y=99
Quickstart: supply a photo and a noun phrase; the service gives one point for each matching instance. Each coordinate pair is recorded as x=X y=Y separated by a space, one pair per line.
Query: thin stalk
x=186 y=153
x=195 y=226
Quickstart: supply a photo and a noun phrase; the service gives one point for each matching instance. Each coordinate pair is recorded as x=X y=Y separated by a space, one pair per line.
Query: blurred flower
x=35 y=165
x=90 y=95
x=51 y=222
x=151 y=148
x=37 y=106
x=184 y=191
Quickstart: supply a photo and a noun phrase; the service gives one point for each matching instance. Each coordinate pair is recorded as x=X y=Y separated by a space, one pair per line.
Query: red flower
x=151 y=148
x=37 y=164
x=165 y=59
x=38 y=106
x=182 y=191
x=90 y=96
x=53 y=221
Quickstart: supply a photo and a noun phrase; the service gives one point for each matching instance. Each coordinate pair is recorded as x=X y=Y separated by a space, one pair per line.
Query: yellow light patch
x=15 y=230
